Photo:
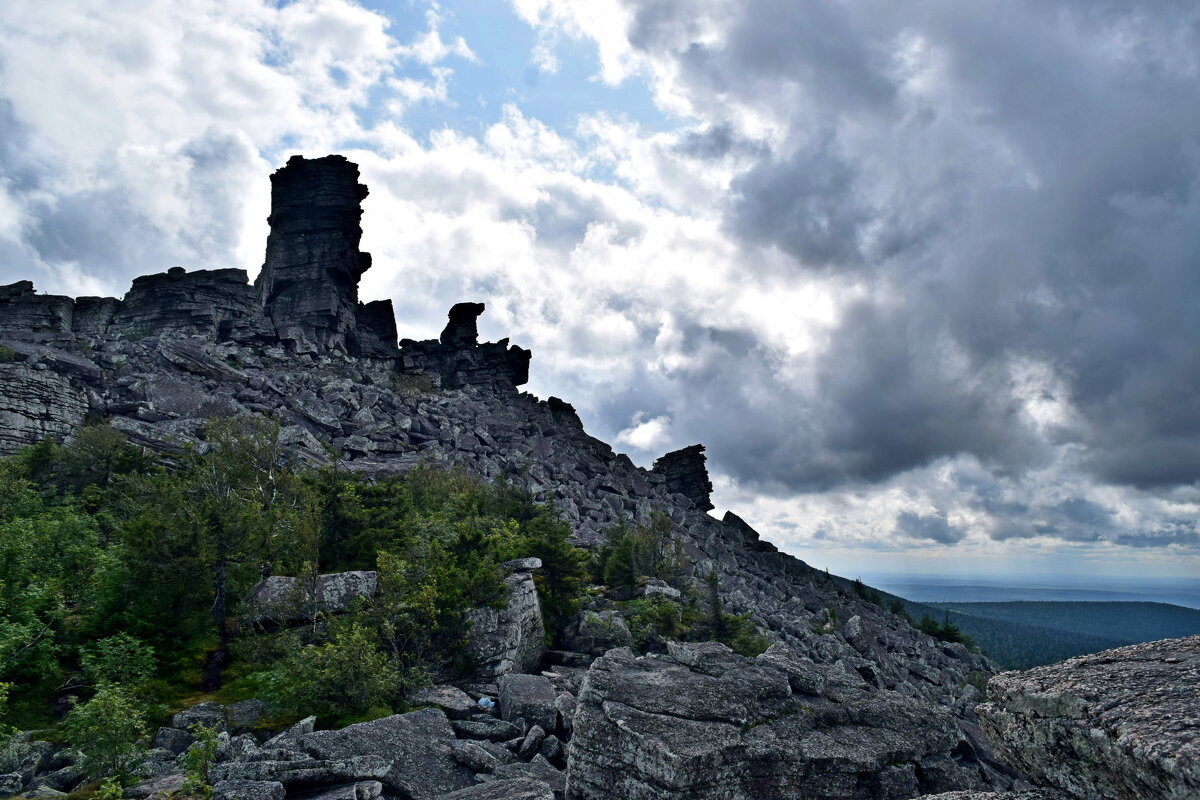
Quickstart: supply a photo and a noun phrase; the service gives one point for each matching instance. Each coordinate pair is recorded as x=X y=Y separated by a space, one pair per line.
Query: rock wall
x=1119 y=725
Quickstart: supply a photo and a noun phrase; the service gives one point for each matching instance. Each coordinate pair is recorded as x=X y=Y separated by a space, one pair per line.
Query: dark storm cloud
x=1018 y=183
x=933 y=527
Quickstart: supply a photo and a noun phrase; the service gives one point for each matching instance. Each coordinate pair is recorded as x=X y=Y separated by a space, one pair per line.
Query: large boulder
x=418 y=746
x=528 y=697
x=1121 y=724
x=704 y=722
x=511 y=639
x=284 y=600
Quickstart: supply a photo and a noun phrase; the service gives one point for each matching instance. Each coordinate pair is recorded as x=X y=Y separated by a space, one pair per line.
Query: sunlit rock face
x=1116 y=725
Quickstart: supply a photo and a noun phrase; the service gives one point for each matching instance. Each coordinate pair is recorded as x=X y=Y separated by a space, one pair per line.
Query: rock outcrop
x=309 y=281
x=703 y=722
x=509 y=639
x=1119 y=725
x=685 y=473
x=458 y=359
x=336 y=397
x=282 y=600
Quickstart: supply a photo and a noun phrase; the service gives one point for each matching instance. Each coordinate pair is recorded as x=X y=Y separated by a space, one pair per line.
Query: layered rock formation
x=309 y=281
x=1119 y=725
x=685 y=473
x=703 y=722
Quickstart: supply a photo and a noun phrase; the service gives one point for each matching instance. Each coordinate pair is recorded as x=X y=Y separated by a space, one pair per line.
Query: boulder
x=597 y=632
x=495 y=730
x=528 y=697
x=454 y=702
x=474 y=757
x=248 y=790
x=704 y=722
x=208 y=713
x=363 y=790
x=510 y=789
x=173 y=740
x=511 y=639
x=284 y=600
x=416 y=746
x=1120 y=724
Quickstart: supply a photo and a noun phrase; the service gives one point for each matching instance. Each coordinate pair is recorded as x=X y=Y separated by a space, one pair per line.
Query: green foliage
x=420 y=385
x=106 y=559
x=654 y=620
x=978 y=679
x=867 y=593
x=944 y=631
x=345 y=678
x=110 y=731
x=645 y=551
x=7 y=354
x=109 y=789
x=561 y=580
x=197 y=760
x=120 y=658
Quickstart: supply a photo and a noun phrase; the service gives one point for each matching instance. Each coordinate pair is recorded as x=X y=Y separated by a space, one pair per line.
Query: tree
x=110 y=731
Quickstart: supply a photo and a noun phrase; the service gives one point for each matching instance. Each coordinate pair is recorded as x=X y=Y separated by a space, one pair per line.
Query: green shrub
x=119 y=659
x=197 y=760
x=347 y=677
x=7 y=354
x=646 y=551
x=110 y=731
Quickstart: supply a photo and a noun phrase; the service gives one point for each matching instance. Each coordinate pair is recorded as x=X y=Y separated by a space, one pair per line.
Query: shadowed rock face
x=458 y=358
x=686 y=474
x=217 y=304
x=1117 y=725
x=309 y=282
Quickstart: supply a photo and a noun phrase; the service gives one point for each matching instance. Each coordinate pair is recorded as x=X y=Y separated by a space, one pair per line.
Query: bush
x=110 y=731
x=7 y=354
x=646 y=551
x=345 y=678
x=118 y=659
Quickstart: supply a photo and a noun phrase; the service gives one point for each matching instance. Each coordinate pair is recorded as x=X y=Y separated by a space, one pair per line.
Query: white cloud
x=647 y=435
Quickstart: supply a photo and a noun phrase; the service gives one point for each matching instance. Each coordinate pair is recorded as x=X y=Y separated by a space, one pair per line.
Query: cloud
x=879 y=259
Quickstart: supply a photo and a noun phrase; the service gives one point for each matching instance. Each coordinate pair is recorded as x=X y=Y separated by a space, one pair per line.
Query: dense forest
x=122 y=578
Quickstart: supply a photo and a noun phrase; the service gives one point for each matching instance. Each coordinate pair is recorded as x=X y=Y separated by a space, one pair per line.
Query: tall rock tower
x=309 y=283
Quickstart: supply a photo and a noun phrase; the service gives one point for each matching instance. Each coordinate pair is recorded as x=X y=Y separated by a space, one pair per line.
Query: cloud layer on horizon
x=919 y=277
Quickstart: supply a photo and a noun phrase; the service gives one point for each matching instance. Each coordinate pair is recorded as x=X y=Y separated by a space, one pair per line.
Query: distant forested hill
x=1122 y=622
x=1024 y=634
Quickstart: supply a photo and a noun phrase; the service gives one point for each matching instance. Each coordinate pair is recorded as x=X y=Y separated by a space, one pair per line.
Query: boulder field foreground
x=850 y=701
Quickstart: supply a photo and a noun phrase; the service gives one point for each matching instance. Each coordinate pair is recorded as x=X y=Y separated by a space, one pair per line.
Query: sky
x=923 y=277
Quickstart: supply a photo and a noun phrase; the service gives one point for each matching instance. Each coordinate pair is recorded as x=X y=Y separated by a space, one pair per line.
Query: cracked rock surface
x=1121 y=724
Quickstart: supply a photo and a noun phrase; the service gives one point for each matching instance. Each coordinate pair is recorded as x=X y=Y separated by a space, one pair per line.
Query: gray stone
x=248 y=790
x=173 y=740
x=496 y=730
x=705 y=722
x=292 y=735
x=304 y=773
x=597 y=632
x=454 y=702
x=1124 y=723
x=511 y=789
x=244 y=715
x=417 y=746
x=282 y=600
x=685 y=473
x=363 y=790
x=208 y=713
x=528 y=697
x=511 y=639
x=532 y=741
x=160 y=785
x=474 y=757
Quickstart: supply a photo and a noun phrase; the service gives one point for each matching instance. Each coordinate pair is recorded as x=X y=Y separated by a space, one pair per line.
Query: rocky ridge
x=888 y=711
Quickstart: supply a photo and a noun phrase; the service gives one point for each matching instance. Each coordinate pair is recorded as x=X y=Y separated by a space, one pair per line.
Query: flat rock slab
x=511 y=789
x=1121 y=725
x=704 y=722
